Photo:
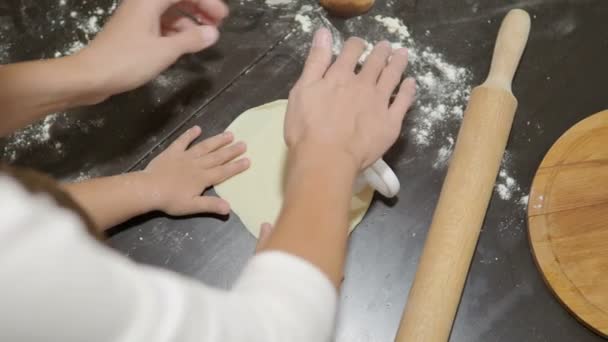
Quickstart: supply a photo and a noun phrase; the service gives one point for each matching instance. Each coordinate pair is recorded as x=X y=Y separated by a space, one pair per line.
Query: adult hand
x=334 y=110
x=177 y=177
x=144 y=37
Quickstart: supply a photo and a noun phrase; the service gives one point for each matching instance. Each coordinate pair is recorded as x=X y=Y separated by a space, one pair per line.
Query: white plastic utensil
x=379 y=176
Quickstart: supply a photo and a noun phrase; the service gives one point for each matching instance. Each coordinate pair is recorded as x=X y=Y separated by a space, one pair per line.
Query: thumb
x=194 y=39
x=210 y=204
x=265 y=232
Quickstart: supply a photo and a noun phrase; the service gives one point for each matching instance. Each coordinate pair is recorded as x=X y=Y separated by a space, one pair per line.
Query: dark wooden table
x=561 y=80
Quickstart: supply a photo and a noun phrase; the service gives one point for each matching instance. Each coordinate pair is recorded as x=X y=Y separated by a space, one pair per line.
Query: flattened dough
x=256 y=195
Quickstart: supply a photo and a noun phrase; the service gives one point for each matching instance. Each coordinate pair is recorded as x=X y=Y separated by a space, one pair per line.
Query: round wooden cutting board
x=568 y=220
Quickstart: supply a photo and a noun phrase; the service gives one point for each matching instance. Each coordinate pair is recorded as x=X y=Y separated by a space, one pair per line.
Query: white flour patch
x=394 y=25
x=506 y=186
x=87 y=25
x=70 y=49
x=274 y=3
x=444 y=154
x=523 y=200
x=304 y=21
x=33 y=135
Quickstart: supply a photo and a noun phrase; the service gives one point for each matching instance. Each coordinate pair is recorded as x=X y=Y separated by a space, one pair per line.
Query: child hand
x=178 y=176
x=265 y=232
x=144 y=37
x=338 y=114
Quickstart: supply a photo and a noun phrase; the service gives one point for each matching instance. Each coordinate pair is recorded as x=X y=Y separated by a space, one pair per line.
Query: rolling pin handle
x=510 y=45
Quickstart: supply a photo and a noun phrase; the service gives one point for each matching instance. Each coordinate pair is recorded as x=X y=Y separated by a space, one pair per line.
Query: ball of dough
x=347 y=8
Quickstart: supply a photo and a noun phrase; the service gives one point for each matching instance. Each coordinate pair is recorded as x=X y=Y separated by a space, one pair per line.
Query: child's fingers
x=223 y=155
x=211 y=144
x=265 y=232
x=186 y=139
x=220 y=173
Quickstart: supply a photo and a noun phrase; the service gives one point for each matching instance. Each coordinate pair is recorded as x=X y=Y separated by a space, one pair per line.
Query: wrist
x=319 y=164
x=145 y=187
x=326 y=157
x=89 y=80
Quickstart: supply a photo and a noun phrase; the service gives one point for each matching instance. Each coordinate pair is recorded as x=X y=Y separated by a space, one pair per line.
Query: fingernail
x=227 y=134
x=246 y=162
x=322 y=38
x=210 y=34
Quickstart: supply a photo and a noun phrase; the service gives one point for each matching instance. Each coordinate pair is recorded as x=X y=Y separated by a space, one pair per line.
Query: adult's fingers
x=192 y=39
x=404 y=99
x=211 y=144
x=223 y=155
x=184 y=140
x=319 y=57
x=210 y=12
x=391 y=75
x=265 y=232
x=220 y=173
x=344 y=66
x=375 y=62
x=176 y=24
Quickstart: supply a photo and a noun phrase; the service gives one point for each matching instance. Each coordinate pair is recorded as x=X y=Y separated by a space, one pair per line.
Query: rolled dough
x=256 y=195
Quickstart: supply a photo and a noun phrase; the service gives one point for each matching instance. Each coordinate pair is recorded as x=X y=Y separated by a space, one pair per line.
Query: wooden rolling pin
x=467 y=189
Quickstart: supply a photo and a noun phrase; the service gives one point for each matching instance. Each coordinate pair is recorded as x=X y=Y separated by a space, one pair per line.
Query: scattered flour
x=274 y=3
x=506 y=186
x=70 y=49
x=394 y=25
x=33 y=135
x=443 y=88
x=444 y=154
x=81 y=176
x=86 y=25
x=304 y=22
x=523 y=200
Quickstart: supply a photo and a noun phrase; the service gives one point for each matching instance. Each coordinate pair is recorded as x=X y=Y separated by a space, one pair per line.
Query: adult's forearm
x=30 y=90
x=313 y=223
x=113 y=200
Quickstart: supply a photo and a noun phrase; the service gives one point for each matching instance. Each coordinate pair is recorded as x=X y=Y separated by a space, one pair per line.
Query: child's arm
x=32 y=89
x=141 y=40
x=173 y=182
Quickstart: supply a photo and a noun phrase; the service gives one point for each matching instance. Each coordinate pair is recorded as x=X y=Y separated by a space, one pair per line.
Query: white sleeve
x=59 y=284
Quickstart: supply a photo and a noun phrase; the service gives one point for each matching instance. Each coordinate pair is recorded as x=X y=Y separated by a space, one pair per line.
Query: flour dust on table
x=442 y=94
x=443 y=87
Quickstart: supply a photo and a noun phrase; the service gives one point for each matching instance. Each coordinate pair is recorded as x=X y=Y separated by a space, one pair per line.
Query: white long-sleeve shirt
x=59 y=284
